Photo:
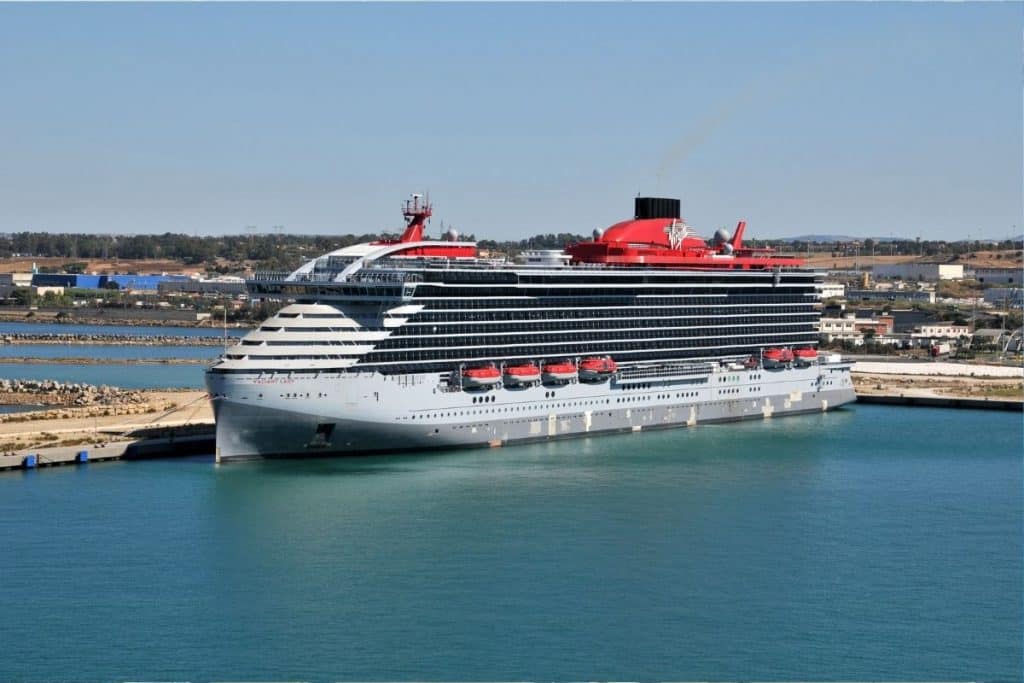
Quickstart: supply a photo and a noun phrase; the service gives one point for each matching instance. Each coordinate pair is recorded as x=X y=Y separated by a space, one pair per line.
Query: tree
x=22 y=296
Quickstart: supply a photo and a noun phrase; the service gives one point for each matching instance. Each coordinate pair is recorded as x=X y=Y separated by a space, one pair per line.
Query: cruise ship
x=415 y=343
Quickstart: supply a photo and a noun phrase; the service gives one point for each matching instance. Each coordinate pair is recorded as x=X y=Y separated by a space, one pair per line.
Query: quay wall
x=942 y=402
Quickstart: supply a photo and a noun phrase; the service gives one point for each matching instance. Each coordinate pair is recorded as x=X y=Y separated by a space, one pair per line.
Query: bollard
x=29 y=463
x=83 y=456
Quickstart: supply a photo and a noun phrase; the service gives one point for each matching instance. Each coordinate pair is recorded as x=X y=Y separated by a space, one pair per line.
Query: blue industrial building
x=88 y=281
x=132 y=282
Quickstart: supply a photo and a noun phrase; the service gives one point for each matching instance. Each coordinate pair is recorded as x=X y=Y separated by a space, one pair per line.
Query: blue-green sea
x=135 y=376
x=871 y=543
x=134 y=330
x=108 y=353
x=122 y=365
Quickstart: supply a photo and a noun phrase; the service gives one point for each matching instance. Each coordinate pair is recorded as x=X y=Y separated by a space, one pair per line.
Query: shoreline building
x=919 y=271
x=941 y=330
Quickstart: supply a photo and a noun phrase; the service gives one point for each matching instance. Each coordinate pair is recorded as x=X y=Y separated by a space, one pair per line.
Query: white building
x=838 y=328
x=831 y=290
x=16 y=279
x=919 y=271
x=941 y=331
x=852 y=327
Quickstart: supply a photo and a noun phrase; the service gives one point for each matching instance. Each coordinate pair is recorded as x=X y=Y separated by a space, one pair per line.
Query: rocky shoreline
x=55 y=403
x=80 y=413
x=93 y=339
x=107 y=361
x=112 y=317
x=68 y=394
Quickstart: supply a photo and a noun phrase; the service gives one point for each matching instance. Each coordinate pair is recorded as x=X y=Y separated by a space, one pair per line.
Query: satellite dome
x=598 y=232
x=721 y=235
x=452 y=235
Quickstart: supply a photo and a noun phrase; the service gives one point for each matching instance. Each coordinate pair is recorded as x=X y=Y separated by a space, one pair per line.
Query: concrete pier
x=164 y=442
x=62 y=455
x=943 y=401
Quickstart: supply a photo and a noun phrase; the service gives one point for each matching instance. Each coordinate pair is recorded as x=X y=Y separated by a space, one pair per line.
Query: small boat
x=777 y=358
x=563 y=371
x=806 y=356
x=477 y=378
x=597 y=369
x=524 y=373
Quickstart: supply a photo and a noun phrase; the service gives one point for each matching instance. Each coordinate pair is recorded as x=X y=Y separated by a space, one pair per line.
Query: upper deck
x=654 y=246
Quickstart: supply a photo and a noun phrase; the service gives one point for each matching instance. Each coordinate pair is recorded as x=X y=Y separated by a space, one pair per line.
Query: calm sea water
x=137 y=330
x=108 y=352
x=107 y=371
x=140 y=376
x=870 y=543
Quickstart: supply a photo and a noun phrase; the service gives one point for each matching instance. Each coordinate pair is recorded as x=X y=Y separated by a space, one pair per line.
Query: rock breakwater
x=68 y=394
x=113 y=339
x=64 y=405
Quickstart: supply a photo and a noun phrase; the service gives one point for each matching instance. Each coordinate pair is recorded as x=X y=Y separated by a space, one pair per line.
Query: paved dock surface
x=64 y=455
x=162 y=443
x=192 y=407
x=184 y=430
x=938 y=369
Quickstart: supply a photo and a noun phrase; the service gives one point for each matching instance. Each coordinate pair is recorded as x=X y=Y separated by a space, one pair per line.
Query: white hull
x=309 y=414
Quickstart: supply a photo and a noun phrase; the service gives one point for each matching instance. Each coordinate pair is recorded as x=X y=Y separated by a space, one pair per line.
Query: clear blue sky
x=862 y=119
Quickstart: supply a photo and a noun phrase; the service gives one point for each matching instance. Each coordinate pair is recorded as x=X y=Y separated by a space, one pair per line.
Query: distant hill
x=836 y=238
x=825 y=239
x=820 y=238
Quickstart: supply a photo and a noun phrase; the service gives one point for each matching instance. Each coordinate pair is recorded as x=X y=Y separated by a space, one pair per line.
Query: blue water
x=7 y=408
x=866 y=544
x=138 y=330
x=141 y=376
x=135 y=376
x=108 y=352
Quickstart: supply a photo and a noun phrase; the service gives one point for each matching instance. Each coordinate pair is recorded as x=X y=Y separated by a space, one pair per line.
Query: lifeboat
x=806 y=356
x=525 y=373
x=563 y=371
x=597 y=369
x=777 y=358
x=478 y=378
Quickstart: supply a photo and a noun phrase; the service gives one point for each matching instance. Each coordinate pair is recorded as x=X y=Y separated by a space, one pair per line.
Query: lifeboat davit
x=526 y=373
x=777 y=358
x=806 y=356
x=564 y=371
x=477 y=378
x=597 y=369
